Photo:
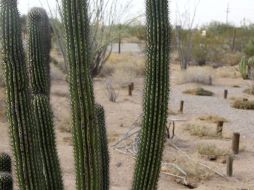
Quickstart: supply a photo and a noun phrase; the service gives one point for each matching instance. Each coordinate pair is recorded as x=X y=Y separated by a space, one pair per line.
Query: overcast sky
x=207 y=10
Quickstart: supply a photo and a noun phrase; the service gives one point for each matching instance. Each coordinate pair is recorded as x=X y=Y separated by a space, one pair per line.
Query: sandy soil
x=121 y=115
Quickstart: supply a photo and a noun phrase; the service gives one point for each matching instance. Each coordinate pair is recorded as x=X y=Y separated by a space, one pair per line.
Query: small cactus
x=243 y=67
x=6 y=181
x=5 y=163
x=100 y=113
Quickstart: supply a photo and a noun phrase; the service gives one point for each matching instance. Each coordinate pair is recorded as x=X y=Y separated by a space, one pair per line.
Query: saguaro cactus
x=23 y=133
x=100 y=113
x=6 y=182
x=86 y=134
x=5 y=163
x=37 y=40
x=155 y=97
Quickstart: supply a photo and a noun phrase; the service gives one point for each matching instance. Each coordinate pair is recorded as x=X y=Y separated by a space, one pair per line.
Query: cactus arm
x=155 y=97
x=100 y=113
x=86 y=139
x=42 y=113
x=22 y=135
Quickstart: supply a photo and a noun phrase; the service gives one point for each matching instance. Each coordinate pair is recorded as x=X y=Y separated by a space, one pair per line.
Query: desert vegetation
x=88 y=101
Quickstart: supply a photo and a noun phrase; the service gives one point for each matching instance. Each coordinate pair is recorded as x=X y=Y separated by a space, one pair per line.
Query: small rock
x=119 y=164
x=212 y=158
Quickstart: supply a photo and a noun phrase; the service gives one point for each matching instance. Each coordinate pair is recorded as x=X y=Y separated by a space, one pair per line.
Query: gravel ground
x=239 y=120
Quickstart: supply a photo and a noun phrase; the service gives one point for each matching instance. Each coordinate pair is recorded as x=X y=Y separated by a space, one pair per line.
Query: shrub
x=243 y=104
x=199 y=92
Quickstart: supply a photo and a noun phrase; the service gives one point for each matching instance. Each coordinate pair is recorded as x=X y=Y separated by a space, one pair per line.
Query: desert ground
x=195 y=158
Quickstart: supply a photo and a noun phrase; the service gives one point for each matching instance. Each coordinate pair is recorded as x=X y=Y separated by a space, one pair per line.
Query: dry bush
x=228 y=72
x=125 y=67
x=212 y=150
x=199 y=92
x=192 y=168
x=111 y=92
x=231 y=59
x=200 y=75
x=212 y=118
x=200 y=130
x=243 y=104
x=250 y=90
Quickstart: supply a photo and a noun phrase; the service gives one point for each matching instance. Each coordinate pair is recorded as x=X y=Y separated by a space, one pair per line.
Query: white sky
x=207 y=10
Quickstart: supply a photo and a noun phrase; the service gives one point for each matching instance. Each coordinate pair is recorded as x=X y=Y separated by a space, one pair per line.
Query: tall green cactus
x=37 y=40
x=5 y=163
x=243 y=67
x=6 y=181
x=100 y=113
x=23 y=132
x=86 y=134
x=155 y=97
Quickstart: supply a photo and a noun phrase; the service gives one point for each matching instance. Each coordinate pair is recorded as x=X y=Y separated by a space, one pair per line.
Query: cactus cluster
x=155 y=96
x=6 y=181
x=23 y=132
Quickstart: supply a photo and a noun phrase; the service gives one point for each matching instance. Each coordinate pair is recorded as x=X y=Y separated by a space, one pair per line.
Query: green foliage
x=243 y=67
x=100 y=113
x=23 y=132
x=6 y=181
x=86 y=133
x=5 y=163
x=249 y=48
x=155 y=96
x=38 y=56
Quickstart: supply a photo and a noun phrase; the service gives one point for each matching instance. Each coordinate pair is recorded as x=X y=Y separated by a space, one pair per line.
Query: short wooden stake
x=220 y=128
x=230 y=161
x=236 y=143
x=132 y=86
x=225 y=94
x=130 y=90
x=181 y=106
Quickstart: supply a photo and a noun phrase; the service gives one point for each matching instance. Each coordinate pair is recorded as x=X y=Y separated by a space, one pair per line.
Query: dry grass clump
x=200 y=75
x=249 y=91
x=192 y=169
x=199 y=92
x=243 y=104
x=228 y=72
x=231 y=59
x=212 y=118
x=212 y=150
x=200 y=130
x=124 y=67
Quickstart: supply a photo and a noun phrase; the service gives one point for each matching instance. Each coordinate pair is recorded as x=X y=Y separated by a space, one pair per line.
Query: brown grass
x=212 y=150
x=212 y=118
x=201 y=130
x=199 y=75
x=243 y=104
x=199 y=92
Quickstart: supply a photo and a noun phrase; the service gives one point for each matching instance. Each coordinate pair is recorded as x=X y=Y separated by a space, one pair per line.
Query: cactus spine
x=100 y=113
x=38 y=63
x=243 y=67
x=155 y=97
x=86 y=134
x=6 y=181
x=5 y=163
x=23 y=134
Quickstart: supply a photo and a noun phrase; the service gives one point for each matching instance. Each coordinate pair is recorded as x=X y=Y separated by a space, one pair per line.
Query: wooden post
x=230 y=161
x=220 y=128
x=181 y=106
x=225 y=94
x=236 y=143
x=132 y=86
x=130 y=89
